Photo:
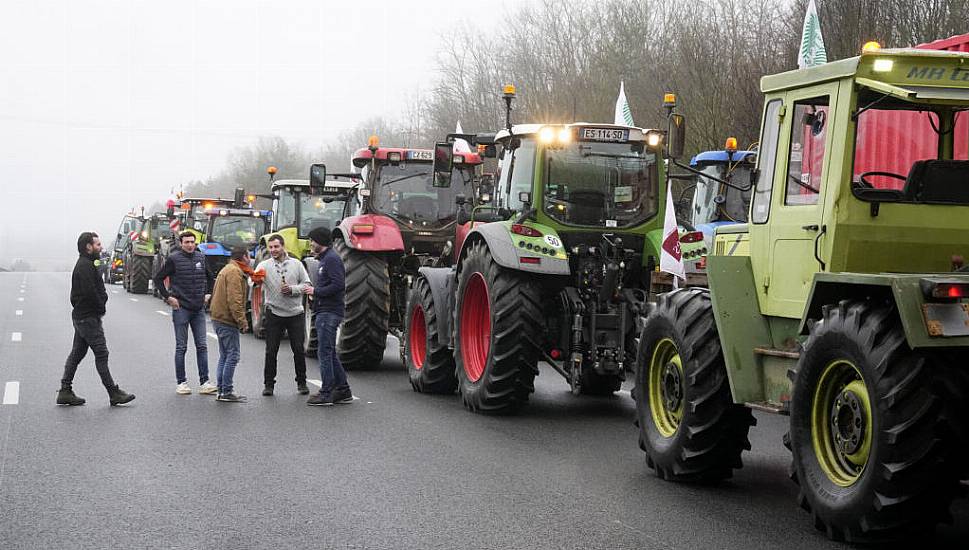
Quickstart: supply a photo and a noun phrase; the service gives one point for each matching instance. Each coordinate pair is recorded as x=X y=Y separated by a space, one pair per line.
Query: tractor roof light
x=654 y=139
x=373 y=142
x=223 y=212
x=508 y=90
x=731 y=145
x=393 y=156
x=883 y=65
x=271 y=170
x=546 y=135
x=565 y=135
x=871 y=47
x=669 y=100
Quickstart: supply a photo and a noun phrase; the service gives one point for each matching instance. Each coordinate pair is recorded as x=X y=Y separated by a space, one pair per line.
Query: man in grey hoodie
x=283 y=286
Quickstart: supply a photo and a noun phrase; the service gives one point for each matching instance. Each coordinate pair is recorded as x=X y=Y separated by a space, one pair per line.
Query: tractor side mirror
x=443 y=163
x=317 y=176
x=460 y=199
x=239 y=199
x=676 y=136
x=525 y=197
x=489 y=151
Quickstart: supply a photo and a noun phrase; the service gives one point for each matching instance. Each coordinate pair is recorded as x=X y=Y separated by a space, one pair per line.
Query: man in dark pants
x=190 y=287
x=285 y=280
x=88 y=298
x=328 y=306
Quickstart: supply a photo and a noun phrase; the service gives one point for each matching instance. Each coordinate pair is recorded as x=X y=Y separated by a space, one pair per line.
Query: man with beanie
x=328 y=295
x=190 y=287
x=88 y=298
x=228 y=312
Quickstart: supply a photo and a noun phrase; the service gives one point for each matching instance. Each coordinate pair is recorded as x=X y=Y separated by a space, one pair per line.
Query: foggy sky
x=105 y=105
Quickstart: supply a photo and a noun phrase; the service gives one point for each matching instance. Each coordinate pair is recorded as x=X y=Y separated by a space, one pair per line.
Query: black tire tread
x=363 y=334
x=437 y=375
x=140 y=269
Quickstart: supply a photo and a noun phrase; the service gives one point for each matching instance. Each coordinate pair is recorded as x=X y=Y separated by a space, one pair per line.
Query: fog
x=106 y=105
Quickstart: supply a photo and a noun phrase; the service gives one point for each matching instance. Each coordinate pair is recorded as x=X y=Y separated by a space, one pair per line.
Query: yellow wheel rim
x=666 y=387
x=841 y=425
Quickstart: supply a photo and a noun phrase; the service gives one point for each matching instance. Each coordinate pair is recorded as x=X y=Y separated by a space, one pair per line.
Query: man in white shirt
x=284 y=285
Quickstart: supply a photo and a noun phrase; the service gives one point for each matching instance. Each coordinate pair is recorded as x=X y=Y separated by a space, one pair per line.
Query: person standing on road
x=328 y=295
x=88 y=298
x=228 y=312
x=190 y=289
x=285 y=282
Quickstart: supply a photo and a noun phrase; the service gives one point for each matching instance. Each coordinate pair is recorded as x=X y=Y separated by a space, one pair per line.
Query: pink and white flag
x=670 y=256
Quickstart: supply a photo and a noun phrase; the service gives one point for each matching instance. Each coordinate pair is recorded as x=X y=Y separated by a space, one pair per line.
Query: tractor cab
x=298 y=209
x=715 y=203
x=195 y=216
x=228 y=228
x=402 y=186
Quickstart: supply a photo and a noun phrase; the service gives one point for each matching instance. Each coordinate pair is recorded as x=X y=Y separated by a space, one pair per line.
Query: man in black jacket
x=88 y=298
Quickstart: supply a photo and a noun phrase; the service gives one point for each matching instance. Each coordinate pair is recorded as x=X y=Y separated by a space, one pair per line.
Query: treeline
x=567 y=58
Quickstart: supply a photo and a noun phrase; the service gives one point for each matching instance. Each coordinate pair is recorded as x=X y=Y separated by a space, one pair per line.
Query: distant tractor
x=129 y=227
x=842 y=302
x=140 y=250
x=406 y=218
x=300 y=206
x=228 y=228
x=560 y=277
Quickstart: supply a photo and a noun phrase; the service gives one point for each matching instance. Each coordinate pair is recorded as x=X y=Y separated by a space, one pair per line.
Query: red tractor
x=406 y=219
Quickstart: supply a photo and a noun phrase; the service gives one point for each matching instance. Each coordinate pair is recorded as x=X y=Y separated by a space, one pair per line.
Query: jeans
x=88 y=333
x=274 y=334
x=182 y=318
x=332 y=376
x=228 y=355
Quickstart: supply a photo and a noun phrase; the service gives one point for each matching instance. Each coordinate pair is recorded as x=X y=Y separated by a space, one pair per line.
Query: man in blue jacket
x=190 y=287
x=328 y=306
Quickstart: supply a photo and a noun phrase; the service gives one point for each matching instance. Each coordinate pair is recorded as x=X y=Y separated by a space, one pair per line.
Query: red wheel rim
x=475 y=327
x=418 y=337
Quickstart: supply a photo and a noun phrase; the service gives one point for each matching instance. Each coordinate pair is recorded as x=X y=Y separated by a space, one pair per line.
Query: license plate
x=420 y=155
x=604 y=134
x=946 y=319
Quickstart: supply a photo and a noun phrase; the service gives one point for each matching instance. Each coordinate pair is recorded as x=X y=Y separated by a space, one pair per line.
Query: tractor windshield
x=715 y=202
x=233 y=231
x=601 y=185
x=901 y=154
x=406 y=192
x=160 y=229
x=319 y=211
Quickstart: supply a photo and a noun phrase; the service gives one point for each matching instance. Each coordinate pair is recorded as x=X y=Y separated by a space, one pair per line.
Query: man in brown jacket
x=228 y=312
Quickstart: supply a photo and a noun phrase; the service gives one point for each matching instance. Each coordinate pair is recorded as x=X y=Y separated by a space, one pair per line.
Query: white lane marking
x=165 y=313
x=11 y=393
x=21 y=299
x=19 y=312
x=133 y=299
x=213 y=335
x=22 y=291
x=114 y=292
x=16 y=337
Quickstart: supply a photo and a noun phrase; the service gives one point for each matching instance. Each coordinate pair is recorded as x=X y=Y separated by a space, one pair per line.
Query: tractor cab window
x=715 y=202
x=160 y=229
x=805 y=160
x=315 y=212
x=760 y=205
x=233 y=231
x=285 y=209
x=406 y=191
x=515 y=173
x=601 y=184
x=900 y=153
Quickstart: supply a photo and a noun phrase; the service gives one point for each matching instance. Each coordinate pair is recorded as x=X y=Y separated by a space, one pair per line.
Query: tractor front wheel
x=363 y=334
x=430 y=364
x=689 y=425
x=498 y=325
x=869 y=429
x=139 y=268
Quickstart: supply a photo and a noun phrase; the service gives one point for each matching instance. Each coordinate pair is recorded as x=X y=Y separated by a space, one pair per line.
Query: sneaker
x=301 y=388
x=267 y=391
x=320 y=400
x=344 y=397
x=208 y=388
x=183 y=389
x=231 y=398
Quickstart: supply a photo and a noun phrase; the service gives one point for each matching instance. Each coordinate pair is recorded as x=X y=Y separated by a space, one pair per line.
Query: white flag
x=812 y=45
x=670 y=255
x=460 y=145
x=624 y=116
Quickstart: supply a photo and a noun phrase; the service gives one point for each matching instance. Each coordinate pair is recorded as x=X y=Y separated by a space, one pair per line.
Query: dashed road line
x=16 y=337
x=114 y=292
x=213 y=335
x=19 y=312
x=133 y=299
x=160 y=312
x=21 y=299
x=11 y=393
x=22 y=291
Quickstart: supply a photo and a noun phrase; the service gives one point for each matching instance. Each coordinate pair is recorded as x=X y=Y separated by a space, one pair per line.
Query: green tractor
x=138 y=254
x=842 y=303
x=129 y=227
x=299 y=206
x=560 y=276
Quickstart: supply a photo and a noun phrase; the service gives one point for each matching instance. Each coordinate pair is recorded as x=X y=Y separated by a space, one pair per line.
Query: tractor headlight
x=546 y=135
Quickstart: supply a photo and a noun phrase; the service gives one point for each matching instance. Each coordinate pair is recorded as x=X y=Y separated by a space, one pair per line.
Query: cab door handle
x=812 y=227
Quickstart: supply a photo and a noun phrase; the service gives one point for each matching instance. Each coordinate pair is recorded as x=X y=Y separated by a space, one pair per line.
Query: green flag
x=812 y=45
x=624 y=115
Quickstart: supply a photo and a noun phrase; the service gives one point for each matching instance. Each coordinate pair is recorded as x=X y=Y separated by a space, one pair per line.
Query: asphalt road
x=394 y=470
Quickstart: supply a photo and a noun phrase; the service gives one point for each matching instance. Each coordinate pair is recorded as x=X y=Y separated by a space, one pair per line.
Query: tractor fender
x=506 y=254
x=441 y=281
x=213 y=249
x=383 y=237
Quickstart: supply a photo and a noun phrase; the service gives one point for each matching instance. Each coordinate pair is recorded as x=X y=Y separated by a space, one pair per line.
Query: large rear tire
x=363 y=334
x=140 y=269
x=497 y=324
x=430 y=364
x=689 y=425
x=869 y=433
